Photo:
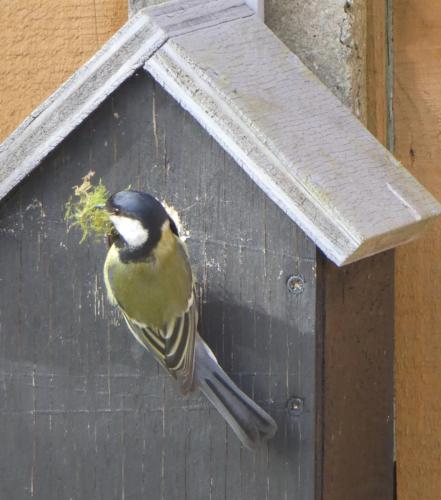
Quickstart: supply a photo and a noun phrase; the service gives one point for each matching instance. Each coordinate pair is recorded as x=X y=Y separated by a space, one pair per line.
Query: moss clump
x=81 y=209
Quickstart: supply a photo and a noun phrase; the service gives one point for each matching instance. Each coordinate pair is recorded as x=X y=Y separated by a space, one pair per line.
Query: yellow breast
x=154 y=291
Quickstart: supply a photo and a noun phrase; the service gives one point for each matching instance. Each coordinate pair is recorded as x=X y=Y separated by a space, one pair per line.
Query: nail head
x=295 y=406
x=295 y=284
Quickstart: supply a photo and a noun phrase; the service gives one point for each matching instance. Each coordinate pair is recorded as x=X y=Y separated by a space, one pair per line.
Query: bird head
x=138 y=218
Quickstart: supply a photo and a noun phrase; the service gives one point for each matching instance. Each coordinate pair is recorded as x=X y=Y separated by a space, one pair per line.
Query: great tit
x=148 y=276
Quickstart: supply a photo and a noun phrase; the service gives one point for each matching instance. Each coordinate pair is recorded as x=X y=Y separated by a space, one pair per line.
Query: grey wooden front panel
x=85 y=413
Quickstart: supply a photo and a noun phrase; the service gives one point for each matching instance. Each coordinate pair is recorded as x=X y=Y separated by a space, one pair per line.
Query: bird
x=148 y=276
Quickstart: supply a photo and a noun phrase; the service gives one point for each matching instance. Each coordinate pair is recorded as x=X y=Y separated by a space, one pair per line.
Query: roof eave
x=308 y=153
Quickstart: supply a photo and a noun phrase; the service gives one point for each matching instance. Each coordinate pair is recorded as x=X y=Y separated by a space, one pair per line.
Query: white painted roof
x=267 y=110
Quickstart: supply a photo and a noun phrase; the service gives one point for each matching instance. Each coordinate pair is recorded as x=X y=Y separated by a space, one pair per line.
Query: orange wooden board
x=417 y=106
x=43 y=43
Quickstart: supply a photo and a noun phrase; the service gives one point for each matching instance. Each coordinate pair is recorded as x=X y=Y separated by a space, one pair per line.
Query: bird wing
x=173 y=345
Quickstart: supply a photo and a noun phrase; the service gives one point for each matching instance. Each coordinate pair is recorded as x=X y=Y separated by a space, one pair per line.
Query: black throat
x=136 y=254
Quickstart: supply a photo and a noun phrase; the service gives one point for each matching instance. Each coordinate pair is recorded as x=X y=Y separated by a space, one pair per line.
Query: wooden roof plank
x=178 y=17
x=308 y=153
x=297 y=141
x=81 y=94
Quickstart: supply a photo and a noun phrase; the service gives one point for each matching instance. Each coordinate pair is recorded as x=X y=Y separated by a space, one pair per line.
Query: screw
x=295 y=406
x=295 y=284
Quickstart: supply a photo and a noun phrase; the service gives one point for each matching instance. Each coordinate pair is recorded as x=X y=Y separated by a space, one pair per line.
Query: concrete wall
x=320 y=34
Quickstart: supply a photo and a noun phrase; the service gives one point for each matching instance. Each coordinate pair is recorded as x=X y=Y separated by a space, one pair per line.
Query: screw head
x=295 y=284
x=295 y=406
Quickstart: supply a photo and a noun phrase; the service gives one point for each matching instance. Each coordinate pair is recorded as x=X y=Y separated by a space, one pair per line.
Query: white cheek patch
x=130 y=229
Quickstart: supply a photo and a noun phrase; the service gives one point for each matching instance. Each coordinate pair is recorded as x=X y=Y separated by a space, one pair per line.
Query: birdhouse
x=277 y=186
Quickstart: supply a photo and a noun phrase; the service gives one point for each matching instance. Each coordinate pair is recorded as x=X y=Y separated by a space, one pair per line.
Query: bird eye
x=116 y=211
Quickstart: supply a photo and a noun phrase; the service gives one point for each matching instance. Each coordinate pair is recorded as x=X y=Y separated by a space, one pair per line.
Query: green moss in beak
x=86 y=209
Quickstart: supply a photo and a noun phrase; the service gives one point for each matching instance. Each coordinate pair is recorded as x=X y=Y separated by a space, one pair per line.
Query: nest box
x=198 y=103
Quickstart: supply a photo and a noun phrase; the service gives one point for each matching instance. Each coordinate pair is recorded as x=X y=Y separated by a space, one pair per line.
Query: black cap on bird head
x=139 y=219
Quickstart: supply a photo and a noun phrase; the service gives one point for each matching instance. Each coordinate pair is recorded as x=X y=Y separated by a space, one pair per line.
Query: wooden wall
x=42 y=43
x=85 y=412
x=417 y=110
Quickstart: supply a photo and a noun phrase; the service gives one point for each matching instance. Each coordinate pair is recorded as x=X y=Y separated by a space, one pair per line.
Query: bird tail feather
x=248 y=420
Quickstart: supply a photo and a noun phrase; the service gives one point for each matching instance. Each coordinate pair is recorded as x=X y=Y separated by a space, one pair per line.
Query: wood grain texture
x=369 y=65
x=137 y=433
x=294 y=154
x=202 y=7
x=92 y=83
x=180 y=16
x=43 y=44
x=51 y=122
x=417 y=106
x=358 y=322
x=377 y=60
x=358 y=413
x=296 y=140
x=85 y=412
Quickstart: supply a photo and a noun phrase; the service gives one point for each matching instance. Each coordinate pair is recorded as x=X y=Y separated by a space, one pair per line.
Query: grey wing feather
x=173 y=346
x=150 y=338
x=180 y=346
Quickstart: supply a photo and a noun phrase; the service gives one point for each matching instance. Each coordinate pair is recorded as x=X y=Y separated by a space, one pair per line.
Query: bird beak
x=101 y=206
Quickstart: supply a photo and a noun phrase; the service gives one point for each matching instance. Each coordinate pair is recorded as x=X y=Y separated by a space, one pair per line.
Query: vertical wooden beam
x=417 y=107
x=359 y=307
x=358 y=380
x=369 y=64
x=347 y=49
x=377 y=65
